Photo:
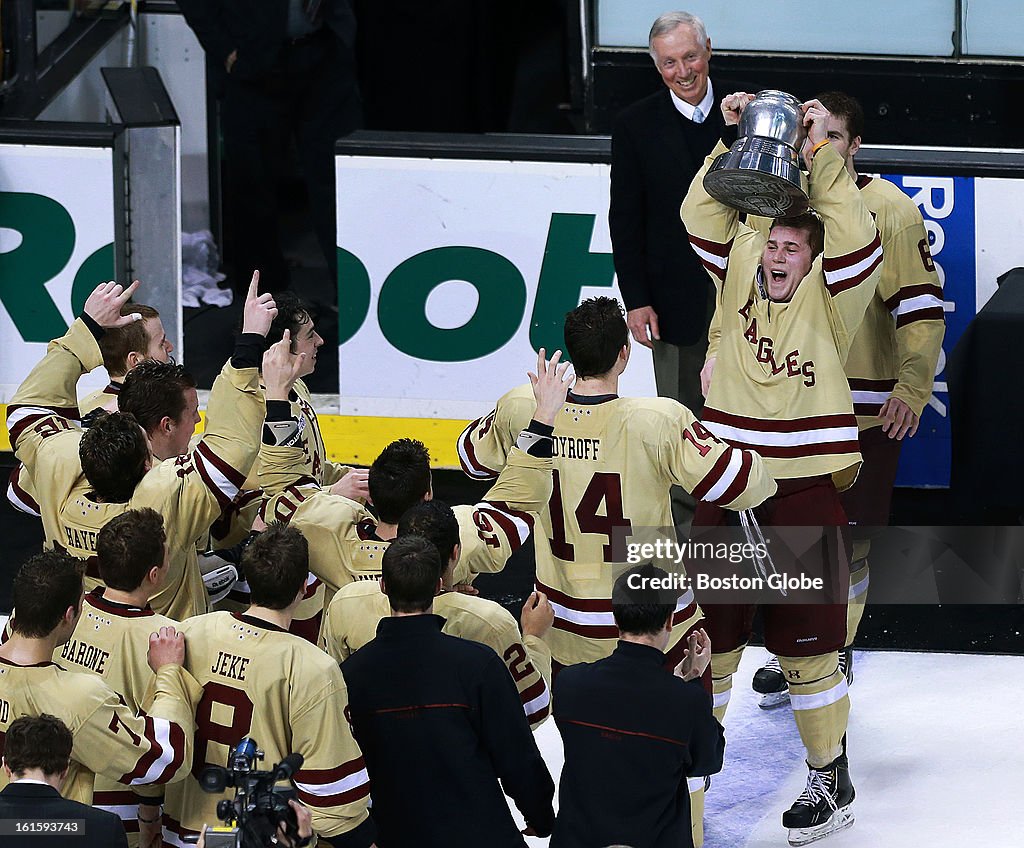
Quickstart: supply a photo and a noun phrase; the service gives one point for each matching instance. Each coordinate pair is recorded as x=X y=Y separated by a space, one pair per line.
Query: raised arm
x=853 y=247
x=212 y=474
x=50 y=390
x=502 y=522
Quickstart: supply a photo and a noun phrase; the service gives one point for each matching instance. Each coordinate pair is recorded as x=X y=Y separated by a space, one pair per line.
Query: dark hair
x=38 y=742
x=435 y=521
x=399 y=479
x=292 y=313
x=808 y=223
x=276 y=565
x=411 y=567
x=114 y=453
x=128 y=546
x=847 y=108
x=595 y=332
x=640 y=610
x=117 y=342
x=153 y=390
x=45 y=586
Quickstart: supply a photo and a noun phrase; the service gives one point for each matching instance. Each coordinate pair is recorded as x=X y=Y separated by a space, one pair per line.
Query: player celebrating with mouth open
x=788 y=306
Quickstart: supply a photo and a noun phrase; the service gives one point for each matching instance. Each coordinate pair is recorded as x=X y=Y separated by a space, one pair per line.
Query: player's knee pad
x=861 y=548
x=819 y=696
x=726 y=664
x=723 y=667
x=860 y=579
x=806 y=675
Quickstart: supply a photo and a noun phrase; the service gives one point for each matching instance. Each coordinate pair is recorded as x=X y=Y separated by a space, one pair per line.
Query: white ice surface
x=936 y=748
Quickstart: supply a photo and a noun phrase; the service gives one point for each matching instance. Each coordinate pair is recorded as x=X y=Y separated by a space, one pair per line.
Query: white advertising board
x=453 y=271
x=56 y=244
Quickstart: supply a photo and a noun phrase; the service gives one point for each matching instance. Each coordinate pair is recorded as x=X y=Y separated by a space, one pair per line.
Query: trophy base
x=760 y=177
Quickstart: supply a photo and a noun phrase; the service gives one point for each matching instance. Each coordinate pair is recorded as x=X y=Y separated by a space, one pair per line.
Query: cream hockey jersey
x=111 y=640
x=105 y=398
x=779 y=387
x=135 y=748
x=896 y=349
x=287 y=695
x=354 y=613
x=310 y=463
x=308 y=438
x=20 y=489
x=343 y=543
x=189 y=491
x=615 y=460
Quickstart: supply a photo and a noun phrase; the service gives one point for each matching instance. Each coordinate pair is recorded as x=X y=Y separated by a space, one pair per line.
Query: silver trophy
x=760 y=174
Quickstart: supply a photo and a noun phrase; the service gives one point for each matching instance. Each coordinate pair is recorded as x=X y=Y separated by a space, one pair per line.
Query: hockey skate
x=824 y=806
x=770 y=683
x=846 y=664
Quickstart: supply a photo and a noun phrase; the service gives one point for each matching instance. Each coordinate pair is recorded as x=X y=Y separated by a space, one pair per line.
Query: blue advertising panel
x=948 y=208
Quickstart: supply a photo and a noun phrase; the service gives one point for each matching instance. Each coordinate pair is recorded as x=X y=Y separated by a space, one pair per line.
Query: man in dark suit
x=658 y=144
x=440 y=723
x=635 y=734
x=287 y=68
x=37 y=753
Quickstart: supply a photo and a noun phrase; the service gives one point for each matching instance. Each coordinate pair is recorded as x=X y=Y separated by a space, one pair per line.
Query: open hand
x=816 y=118
x=696 y=656
x=355 y=485
x=550 y=386
x=166 y=647
x=105 y=302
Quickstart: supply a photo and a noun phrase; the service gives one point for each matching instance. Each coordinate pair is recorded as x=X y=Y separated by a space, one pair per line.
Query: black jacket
x=100 y=829
x=632 y=732
x=439 y=722
x=257 y=30
x=655 y=154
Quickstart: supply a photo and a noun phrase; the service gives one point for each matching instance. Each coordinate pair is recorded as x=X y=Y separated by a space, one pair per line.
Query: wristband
x=818 y=146
x=94 y=328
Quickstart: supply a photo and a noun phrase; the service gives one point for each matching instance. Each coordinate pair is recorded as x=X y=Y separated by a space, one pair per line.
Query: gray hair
x=669 y=22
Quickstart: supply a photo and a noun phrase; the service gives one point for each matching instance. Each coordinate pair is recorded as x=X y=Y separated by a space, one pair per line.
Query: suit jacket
x=257 y=30
x=632 y=733
x=35 y=801
x=655 y=156
x=440 y=722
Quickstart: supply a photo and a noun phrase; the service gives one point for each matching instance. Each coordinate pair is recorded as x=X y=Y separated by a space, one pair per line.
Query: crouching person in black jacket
x=634 y=733
x=440 y=722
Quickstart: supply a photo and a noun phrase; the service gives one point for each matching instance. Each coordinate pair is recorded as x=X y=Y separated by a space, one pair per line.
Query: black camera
x=259 y=807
